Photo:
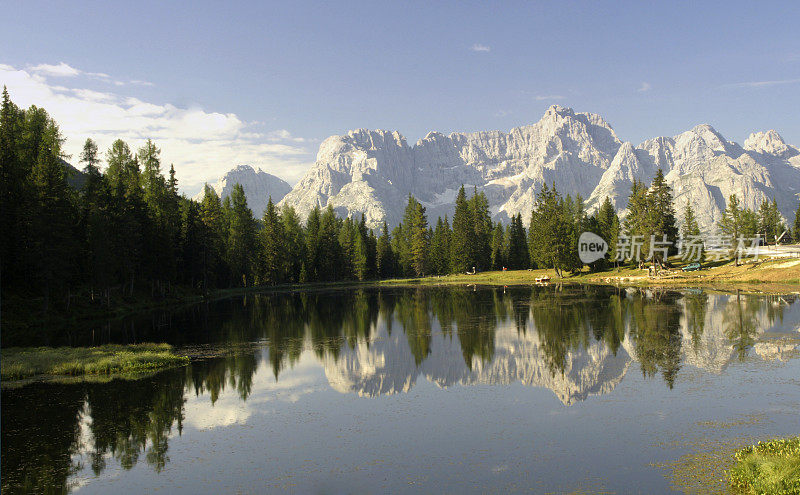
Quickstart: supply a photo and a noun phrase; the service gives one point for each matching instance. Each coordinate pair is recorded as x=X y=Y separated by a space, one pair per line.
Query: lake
x=437 y=389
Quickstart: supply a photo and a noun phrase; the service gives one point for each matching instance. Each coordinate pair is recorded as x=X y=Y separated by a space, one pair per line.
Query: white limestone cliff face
x=258 y=187
x=373 y=172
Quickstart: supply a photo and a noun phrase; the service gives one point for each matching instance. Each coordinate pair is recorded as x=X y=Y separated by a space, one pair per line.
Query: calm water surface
x=476 y=389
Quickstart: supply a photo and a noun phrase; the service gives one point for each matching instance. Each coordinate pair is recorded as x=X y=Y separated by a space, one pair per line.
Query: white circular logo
x=591 y=247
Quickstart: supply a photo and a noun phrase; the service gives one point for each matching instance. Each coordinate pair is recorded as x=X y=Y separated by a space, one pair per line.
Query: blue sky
x=277 y=78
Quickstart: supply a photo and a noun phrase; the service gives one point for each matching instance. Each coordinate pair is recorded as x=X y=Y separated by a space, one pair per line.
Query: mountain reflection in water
x=577 y=341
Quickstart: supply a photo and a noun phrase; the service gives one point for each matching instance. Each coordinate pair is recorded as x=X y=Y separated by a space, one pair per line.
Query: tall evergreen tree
x=550 y=232
x=691 y=229
x=661 y=221
x=440 y=248
x=769 y=221
x=53 y=219
x=518 y=253
x=331 y=259
x=294 y=243
x=213 y=237
x=461 y=253
x=241 y=238
x=498 y=259
x=608 y=221
x=272 y=249
x=419 y=240
x=385 y=257
x=481 y=238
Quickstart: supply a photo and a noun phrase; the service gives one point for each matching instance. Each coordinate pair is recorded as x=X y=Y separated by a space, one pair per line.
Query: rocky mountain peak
x=769 y=142
x=258 y=187
x=373 y=172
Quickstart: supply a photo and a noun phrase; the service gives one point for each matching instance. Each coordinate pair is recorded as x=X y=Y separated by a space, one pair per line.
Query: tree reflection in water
x=81 y=425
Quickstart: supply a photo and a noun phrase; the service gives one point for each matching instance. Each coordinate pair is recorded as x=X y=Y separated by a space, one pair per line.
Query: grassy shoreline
x=25 y=362
x=767 y=467
x=773 y=276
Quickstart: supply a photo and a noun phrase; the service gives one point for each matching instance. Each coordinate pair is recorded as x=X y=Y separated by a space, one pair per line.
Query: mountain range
x=258 y=187
x=373 y=171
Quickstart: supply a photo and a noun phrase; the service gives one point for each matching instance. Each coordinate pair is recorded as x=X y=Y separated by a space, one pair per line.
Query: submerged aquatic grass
x=23 y=362
x=771 y=467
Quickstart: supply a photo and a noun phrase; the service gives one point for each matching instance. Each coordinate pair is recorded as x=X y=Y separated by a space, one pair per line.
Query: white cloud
x=548 y=97
x=763 y=84
x=203 y=145
x=60 y=70
x=644 y=87
x=66 y=70
x=477 y=47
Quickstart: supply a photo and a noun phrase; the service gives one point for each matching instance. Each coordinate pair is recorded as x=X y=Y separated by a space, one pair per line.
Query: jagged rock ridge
x=258 y=187
x=374 y=171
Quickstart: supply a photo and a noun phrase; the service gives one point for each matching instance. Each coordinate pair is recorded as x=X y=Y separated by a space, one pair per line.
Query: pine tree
x=518 y=253
x=661 y=221
x=419 y=240
x=769 y=221
x=213 y=237
x=12 y=196
x=481 y=238
x=54 y=245
x=550 y=232
x=498 y=260
x=347 y=241
x=295 y=243
x=461 y=254
x=440 y=248
x=385 y=257
x=313 y=260
x=331 y=258
x=608 y=222
x=731 y=223
x=272 y=249
x=241 y=237
x=190 y=244
x=691 y=229
x=361 y=257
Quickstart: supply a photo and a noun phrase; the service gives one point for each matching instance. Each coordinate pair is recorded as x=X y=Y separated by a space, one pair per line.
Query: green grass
x=23 y=362
x=771 y=467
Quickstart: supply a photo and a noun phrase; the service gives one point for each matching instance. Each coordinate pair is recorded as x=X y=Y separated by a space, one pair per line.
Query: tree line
x=126 y=230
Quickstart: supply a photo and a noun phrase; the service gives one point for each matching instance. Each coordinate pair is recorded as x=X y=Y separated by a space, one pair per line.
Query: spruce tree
x=419 y=240
x=731 y=223
x=213 y=237
x=385 y=258
x=241 y=238
x=440 y=248
x=272 y=249
x=294 y=243
x=518 y=253
x=690 y=232
x=608 y=223
x=481 y=238
x=661 y=221
x=498 y=260
x=331 y=259
x=461 y=254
